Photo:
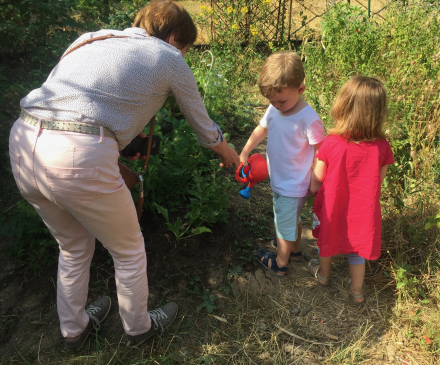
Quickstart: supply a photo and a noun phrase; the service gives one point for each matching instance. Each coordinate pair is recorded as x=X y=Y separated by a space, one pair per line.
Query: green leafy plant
x=181 y=230
x=208 y=301
x=432 y=221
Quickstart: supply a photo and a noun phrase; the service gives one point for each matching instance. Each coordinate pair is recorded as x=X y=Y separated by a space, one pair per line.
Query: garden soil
x=324 y=318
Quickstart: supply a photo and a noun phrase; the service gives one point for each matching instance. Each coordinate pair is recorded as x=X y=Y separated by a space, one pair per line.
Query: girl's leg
x=356 y=266
x=325 y=264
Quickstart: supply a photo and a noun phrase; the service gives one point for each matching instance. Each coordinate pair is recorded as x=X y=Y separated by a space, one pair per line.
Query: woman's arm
x=254 y=140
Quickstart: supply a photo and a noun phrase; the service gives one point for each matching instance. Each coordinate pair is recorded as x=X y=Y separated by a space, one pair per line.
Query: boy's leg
x=288 y=226
x=284 y=249
x=297 y=243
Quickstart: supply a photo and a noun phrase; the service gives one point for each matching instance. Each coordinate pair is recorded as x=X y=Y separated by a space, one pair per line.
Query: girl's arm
x=383 y=173
x=315 y=184
x=318 y=175
x=320 y=170
x=254 y=140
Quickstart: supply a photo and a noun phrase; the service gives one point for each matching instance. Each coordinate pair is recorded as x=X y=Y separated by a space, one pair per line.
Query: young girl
x=351 y=165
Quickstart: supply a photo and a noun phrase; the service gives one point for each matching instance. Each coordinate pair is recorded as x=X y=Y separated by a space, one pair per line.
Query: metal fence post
x=369 y=1
x=290 y=21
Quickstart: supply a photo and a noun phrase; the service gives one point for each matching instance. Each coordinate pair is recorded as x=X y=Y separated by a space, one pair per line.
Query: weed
x=208 y=301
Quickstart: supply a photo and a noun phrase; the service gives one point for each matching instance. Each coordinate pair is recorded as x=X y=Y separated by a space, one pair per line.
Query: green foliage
x=229 y=108
x=208 y=301
x=432 y=221
x=360 y=39
x=181 y=230
x=184 y=178
x=32 y=245
x=203 y=294
x=43 y=27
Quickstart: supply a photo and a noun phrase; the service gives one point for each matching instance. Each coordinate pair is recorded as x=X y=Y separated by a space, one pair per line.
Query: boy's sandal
x=354 y=296
x=266 y=256
x=312 y=264
x=292 y=254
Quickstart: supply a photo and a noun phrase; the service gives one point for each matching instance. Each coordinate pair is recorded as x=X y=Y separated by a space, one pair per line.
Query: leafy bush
x=33 y=245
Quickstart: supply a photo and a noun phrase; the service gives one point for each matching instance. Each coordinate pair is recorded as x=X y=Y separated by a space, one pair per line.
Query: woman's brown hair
x=161 y=18
x=360 y=110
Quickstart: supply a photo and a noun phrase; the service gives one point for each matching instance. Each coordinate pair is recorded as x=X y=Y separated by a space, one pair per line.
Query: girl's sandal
x=354 y=296
x=297 y=255
x=313 y=263
x=266 y=256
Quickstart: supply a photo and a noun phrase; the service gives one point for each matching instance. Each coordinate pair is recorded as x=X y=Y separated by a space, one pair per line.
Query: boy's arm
x=254 y=140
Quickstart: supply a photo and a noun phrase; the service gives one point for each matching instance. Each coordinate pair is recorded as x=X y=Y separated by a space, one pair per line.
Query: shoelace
x=156 y=315
x=91 y=312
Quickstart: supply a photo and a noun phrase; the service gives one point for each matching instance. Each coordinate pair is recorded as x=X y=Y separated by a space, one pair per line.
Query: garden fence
x=282 y=20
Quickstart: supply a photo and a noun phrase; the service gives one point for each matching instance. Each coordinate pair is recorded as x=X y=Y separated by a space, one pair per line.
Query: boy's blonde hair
x=281 y=70
x=360 y=110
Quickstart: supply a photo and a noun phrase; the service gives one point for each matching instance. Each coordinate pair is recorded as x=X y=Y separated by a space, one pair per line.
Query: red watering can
x=255 y=171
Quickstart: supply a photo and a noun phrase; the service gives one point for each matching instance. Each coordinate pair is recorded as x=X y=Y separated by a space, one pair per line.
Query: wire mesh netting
x=272 y=20
x=267 y=17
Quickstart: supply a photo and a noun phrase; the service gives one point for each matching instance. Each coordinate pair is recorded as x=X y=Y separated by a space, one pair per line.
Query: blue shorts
x=287 y=211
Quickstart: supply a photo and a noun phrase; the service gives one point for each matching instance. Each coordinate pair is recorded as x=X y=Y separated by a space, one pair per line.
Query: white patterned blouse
x=120 y=83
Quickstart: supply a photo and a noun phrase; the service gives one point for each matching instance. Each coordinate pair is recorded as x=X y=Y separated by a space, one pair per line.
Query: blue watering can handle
x=242 y=170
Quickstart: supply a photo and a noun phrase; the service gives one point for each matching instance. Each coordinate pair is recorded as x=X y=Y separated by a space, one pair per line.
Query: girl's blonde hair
x=360 y=110
x=161 y=18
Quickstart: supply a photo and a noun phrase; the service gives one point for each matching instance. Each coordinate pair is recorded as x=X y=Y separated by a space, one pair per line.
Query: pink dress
x=347 y=216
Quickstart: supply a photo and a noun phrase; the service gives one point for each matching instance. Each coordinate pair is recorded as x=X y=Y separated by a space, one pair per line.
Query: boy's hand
x=256 y=137
x=244 y=157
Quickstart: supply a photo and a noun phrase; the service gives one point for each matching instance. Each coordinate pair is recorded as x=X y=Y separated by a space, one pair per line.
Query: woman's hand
x=228 y=155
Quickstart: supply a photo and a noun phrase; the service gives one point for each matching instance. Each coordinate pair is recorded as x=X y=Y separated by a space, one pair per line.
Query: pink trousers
x=73 y=182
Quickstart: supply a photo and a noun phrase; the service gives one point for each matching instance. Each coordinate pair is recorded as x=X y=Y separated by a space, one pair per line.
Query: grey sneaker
x=97 y=312
x=161 y=318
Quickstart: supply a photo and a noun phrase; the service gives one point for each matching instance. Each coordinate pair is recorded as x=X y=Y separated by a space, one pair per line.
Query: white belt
x=67 y=126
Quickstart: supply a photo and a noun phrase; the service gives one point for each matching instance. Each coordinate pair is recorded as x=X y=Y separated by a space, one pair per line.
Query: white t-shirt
x=290 y=149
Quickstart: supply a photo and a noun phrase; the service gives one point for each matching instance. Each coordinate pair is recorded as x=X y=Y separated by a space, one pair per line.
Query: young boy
x=294 y=133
